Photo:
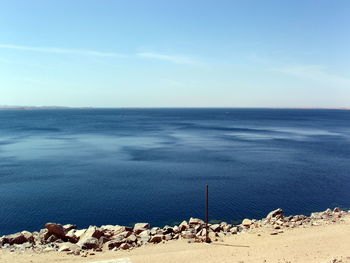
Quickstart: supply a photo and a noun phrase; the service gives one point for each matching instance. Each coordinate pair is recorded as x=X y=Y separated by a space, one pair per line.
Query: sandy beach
x=326 y=242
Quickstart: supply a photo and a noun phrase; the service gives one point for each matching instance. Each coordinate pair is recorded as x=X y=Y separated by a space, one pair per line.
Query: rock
x=79 y=233
x=145 y=236
x=188 y=234
x=69 y=227
x=67 y=246
x=139 y=227
x=154 y=230
x=247 y=222
x=279 y=222
x=156 y=239
x=234 y=230
x=273 y=233
x=88 y=243
x=276 y=214
x=52 y=239
x=168 y=237
x=183 y=226
x=92 y=231
x=72 y=237
x=114 y=230
x=202 y=233
x=168 y=230
x=28 y=236
x=212 y=237
x=63 y=248
x=125 y=234
x=176 y=229
x=56 y=229
x=125 y=246
x=227 y=228
x=336 y=210
x=24 y=246
x=195 y=221
x=114 y=243
x=316 y=215
x=131 y=239
x=197 y=228
x=17 y=238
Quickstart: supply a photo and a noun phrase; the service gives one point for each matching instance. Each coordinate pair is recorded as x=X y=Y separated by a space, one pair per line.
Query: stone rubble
x=83 y=242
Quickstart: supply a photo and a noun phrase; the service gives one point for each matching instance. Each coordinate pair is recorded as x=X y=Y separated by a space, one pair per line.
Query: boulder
x=69 y=227
x=115 y=242
x=125 y=246
x=155 y=231
x=57 y=230
x=202 y=233
x=176 y=229
x=144 y=236
x=234 y=230
x=29 y=236
x=88 y=243
x=227 y=228
x=216 y=227
x=168 y=230
x=188 y=234
x=63 y=248
x=52 y=239
x=109 y=230
x=67 y=246
x=279 y=222
x=92 y=231
x=17 y=238
x=275 y=214
x=168 y=237
x=131 y=239
x=195 y=221
x=72 y=237
x=139 y=227
x=336 y=210
x=126 y=234
x=156 y=239
x=247 y=222
x=198 y=227
x=79 y=233
x=183 y=226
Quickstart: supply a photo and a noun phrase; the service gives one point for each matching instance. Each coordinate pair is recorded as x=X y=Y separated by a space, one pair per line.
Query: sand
x=310 y=244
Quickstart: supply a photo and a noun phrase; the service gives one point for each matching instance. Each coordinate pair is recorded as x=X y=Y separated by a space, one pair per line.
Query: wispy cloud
x=86 y=52
x=313 y=72
x=55 y=50
x=169 y=58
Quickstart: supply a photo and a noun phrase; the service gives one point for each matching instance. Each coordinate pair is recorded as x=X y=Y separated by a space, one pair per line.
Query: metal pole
x=207 y=214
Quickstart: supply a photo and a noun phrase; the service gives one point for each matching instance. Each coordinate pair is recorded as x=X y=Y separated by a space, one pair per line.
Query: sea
x=122 y=166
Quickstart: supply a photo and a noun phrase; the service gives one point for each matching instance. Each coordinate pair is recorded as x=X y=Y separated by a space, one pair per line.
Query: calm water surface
x=121 y=166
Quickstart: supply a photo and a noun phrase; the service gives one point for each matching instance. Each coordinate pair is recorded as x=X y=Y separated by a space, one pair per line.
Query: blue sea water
x=121 y=166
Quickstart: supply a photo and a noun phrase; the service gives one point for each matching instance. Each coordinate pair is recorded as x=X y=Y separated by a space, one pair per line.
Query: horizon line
x=23 y=107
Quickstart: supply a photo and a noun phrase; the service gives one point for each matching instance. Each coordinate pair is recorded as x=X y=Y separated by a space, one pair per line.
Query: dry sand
x=305 y=244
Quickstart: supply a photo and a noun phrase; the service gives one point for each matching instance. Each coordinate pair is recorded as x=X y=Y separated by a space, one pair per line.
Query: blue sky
x=107 y=53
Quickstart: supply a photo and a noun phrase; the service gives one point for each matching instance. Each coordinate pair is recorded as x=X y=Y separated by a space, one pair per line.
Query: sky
x=175 y=53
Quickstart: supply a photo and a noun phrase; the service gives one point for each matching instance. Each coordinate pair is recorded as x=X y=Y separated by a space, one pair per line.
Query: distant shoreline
x=20 y=108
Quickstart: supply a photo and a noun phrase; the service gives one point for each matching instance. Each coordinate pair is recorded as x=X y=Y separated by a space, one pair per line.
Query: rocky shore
x=83 y=242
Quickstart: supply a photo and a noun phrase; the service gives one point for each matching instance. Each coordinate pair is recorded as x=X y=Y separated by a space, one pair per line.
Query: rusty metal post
x=207 y=215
